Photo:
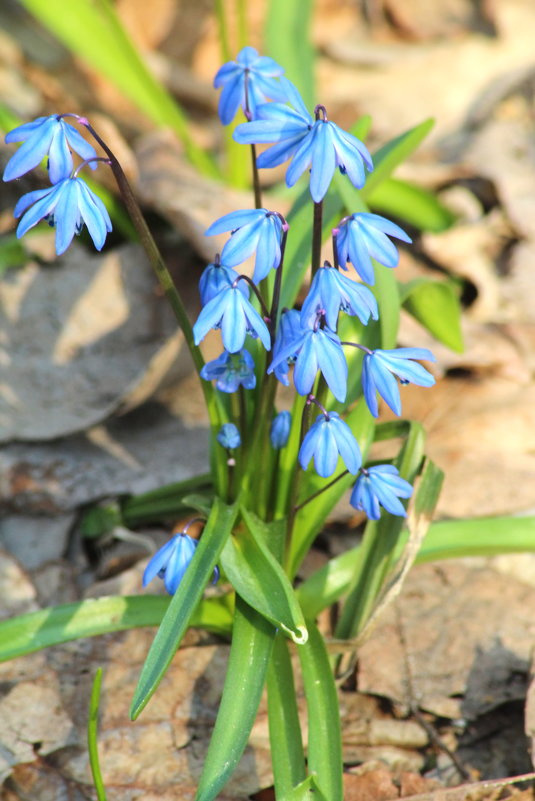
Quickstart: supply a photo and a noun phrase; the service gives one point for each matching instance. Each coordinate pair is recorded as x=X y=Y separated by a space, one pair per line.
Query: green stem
x=222 y=29
x=316 y=237
x=256 y=180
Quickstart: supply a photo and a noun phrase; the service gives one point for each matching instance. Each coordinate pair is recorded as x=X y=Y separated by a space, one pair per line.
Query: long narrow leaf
x=393 y=153
x=419 y=207
x=92 y=729
x=435 y=305
x=288 y=41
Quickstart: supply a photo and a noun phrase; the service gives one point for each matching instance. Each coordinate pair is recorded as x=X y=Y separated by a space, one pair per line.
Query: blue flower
x=280 y=429
x=230 y=370
x=364 y=236
x=171 y=562
x=289 y=328
x=253 y=230
x=331 y=292
x=315 y=143
x=380 y=368
x=229 y=436
x=215 y=277
x=247 y=82
x=313 y=350
x=46 y=135
x=67 y=206
x=328 y=438
x=380 y=486
x=231 y=311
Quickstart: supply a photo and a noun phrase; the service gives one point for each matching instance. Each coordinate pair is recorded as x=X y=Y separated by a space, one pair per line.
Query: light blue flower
x=47 y=135
x=313 y=350
x=280 y=429
x=67 y=206
x=231 y=311
x=171 y=562
x=253 y=230
x=331 y=292
x=229 y=436
x=215 y=277
x=230 y=370
x=311 y=142
x=378 y=486
x=247 y=82
x=328 y=438
x=380 y=367
x=364 y=236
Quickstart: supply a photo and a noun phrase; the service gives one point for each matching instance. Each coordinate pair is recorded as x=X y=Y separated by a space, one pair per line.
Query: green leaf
x=287 y=34
x=164 y=502
x=436 y=306
x=308 y=790
x=252 y=641
x=419 y=207
x=92 y=728
x=183 y=604
x=324 y=735
x=287 y=755
x=259 y=579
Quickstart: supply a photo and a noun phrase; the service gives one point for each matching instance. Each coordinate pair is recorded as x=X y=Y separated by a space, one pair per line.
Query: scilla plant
x=278 y=467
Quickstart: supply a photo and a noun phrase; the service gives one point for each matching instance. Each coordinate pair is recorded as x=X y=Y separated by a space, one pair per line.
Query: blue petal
x=323 y=161
x=346 y=443
x=39 y=210
x=380 y=247
x=306 y=365
x=225 y=73
x=22 y=132
x=326 y=455
x=32 y=152
x=80 y=145
x=179 y=562
x=230 y=99
x=159 y=560
x=92 y=214
x=279 y=153
x=382 y=224
x=386 y=384
x=358 y=254
x=66 y=214
x=241 y=244
x=332 y=364
x=247 y=56
x=236 y=219
x=59 y=157
x=301 y=158
x=29 y=199
x=295 y=99
x=210 y=315
x=234 y=323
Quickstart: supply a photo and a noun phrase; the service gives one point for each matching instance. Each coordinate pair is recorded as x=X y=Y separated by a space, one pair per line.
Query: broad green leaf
x=259 y=579
x=419 y=207
x=176 y=620
x=324 y=736
x=287 y=36
x=393 y=153
x=92 y=729
x=252 y=641
x=435 y=305
x=287 y=755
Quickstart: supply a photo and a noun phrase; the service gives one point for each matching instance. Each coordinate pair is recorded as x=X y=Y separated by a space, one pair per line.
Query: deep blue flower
x=380 y=368
x=313 y=350
x=215 y=277
x=231 y=311
x=364 y=236
x=230 y=370
x=253 y=230
x=171 y=562
x=331 y=292
x=247 y=82
x=229 y=436
x=380 y=486
x=316 y=143
x=67 y=206
x=280 y=429
x=46 y=135
x=328 y=438
x=289 y=328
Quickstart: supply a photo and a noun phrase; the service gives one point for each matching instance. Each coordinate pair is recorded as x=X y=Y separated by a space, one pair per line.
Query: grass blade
x=92 y=728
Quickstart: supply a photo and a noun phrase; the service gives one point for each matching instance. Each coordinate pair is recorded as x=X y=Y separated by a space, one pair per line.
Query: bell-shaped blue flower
x=229 y=436
x=378 y=486
x=248 y=81
x=280 y=429
x=231 y=370
x=171 y=562
x=379 y=371
x=328 y=438
x=289 y=328
x=315 y=349
x=50 y=136
x=215 y=277
x=331 y=292
x=364 y=236
x=317 y=144
x=253 y=230
x=231 y=311
x=67 y=206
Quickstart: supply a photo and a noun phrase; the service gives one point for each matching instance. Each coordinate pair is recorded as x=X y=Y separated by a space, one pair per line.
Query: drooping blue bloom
x=171 y=562
x=315 y=349
x=364 y=236
x=331 y=292
x=378 y=486
x=316 y=143
x=289 y=329
x=280 y=429
x=253 y=230
x=230 y=370
x=231 y=311
x=47 y=135
x=67 y=206
x=215 y=277
x=229 y=436
x=328 y=438
x=247 y=82
x=380 y=367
